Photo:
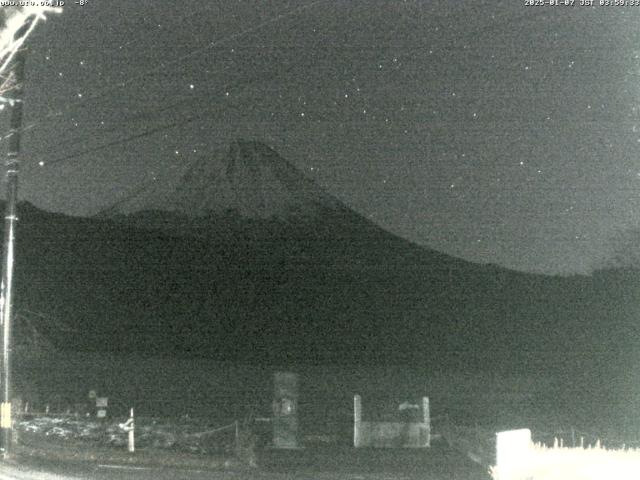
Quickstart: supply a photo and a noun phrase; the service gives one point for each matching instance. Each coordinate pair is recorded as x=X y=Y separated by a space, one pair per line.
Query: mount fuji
x=246 y=259
x=250 y=180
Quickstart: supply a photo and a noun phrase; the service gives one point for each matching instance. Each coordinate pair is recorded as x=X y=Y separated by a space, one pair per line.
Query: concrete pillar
x=357 y=420
x=426 y=416
x=285 y=410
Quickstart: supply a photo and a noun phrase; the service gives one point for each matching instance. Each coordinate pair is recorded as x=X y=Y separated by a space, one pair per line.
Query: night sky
x=490 y=130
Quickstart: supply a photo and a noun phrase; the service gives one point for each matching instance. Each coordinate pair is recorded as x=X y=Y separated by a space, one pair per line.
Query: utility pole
x=12 y=165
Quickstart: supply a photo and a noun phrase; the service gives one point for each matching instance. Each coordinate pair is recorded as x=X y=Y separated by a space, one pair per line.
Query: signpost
x=130 y=427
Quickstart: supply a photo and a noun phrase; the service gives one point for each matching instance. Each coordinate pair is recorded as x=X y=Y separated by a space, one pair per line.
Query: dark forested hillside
x=332 y=289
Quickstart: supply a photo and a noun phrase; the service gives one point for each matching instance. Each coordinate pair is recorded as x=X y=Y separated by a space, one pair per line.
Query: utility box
x=285 y=410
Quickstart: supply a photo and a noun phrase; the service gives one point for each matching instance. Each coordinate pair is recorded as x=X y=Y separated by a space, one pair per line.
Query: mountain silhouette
x=250 y=179
x=275 y=270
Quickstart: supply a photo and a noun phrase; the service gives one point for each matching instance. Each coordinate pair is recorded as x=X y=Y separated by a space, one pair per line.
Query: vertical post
x=131 y=444
x=426 y=419
x=357 y=419
x=12 y=164
x=237 y=437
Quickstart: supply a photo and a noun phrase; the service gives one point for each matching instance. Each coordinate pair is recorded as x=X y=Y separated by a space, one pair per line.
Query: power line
x=85 y=102
x=143 y=115
x=181 y=59
x=211 y=45
x=139 y=116
x=131 y=138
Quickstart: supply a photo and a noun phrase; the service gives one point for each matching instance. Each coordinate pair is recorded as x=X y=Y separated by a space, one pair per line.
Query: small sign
x=408 y=406
x=101 y=413
x=102 y=402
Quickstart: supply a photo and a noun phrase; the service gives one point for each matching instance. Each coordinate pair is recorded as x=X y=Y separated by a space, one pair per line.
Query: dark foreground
x=437 y=463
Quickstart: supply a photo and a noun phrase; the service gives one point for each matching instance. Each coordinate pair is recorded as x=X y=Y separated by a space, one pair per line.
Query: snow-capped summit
x=250 y=180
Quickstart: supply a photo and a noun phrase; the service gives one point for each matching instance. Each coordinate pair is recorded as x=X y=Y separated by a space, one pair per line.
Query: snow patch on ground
x=180 y=435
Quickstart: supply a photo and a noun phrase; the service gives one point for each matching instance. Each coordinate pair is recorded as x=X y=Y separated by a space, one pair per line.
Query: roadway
x=97 y=471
